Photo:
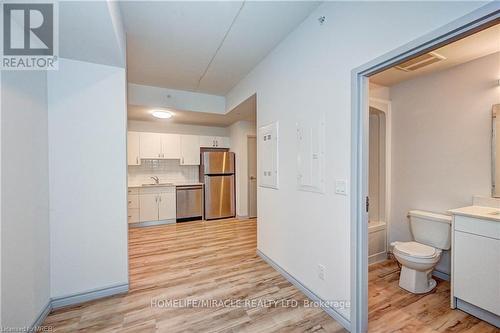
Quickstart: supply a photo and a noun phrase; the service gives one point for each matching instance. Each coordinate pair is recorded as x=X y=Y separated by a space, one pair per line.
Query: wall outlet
x=341 y=187
x=321 y=271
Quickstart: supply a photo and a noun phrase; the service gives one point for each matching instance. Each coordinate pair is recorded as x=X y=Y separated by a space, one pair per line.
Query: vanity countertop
x=480 y=212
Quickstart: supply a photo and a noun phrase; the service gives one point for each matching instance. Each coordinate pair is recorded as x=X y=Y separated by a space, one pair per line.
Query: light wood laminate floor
x=196 y=260
x=392 y=309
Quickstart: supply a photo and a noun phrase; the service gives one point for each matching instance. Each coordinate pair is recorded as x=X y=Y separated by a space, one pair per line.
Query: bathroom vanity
x=475 y=262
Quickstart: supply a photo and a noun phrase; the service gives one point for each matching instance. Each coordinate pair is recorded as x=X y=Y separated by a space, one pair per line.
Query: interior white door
x=149 y=207
x=167 y=205
x=171 y=146
x=133 y=148
x=150 y=145
x=252 y=176
x=190 y=150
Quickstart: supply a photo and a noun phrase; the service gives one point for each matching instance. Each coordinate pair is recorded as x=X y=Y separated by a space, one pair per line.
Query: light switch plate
x=341 y=187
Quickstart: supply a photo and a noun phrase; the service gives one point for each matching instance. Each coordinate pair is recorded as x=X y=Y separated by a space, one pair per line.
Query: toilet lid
x=415 y=249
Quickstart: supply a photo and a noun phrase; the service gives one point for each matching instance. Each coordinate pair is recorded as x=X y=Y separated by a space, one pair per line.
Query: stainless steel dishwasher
x=189 y=202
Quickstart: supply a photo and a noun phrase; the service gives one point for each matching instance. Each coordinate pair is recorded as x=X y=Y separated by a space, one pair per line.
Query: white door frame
x=384 y=106
x=250 y=136
x=466 y=25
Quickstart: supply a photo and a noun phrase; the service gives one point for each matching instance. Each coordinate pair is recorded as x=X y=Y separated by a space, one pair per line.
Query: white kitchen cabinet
x=223 y=142
x=133 y=148
x=171 y=146
x=190 y=150
x=150 y=145
x=133 y=215
x=149 y=204
x=215 y=142
x=148 y=207
x=160 y=146
x=207 y=141
x=167 y=204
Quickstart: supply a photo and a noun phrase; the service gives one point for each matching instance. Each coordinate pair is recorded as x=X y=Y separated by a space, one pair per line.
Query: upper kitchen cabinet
x=190 y=150
x=150 y=145
x=171 y=146
x=214 y=142
x=133 y=148
x=160 y=146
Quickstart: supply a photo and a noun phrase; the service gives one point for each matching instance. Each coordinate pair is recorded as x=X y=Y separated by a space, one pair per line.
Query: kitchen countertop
x=481 y=212
x=165 y=184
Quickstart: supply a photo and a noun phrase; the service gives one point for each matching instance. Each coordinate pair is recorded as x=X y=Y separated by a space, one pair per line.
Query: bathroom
x=430 y=150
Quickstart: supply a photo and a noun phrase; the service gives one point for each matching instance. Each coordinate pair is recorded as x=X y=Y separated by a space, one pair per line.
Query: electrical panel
x=268 y=156
x=311 y=155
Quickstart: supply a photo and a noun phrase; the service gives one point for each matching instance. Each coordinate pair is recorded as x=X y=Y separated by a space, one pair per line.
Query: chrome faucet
x=156 y=179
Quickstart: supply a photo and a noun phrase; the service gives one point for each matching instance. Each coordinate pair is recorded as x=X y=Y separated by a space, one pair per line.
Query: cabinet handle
x=159 y=198
x=137 y=159
x=130 y=216
x=130 y=202
x=156 y=199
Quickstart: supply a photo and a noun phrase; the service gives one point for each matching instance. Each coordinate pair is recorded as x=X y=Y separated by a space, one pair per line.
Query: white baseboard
x=41 y=317
x=59 y=302
x=329 y=310
x=482 y=314
x=74 y=299
x=151 y=223
x=377 y=258
x=441 y=275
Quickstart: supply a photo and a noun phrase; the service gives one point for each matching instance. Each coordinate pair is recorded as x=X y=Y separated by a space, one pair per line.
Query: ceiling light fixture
x=162 y=114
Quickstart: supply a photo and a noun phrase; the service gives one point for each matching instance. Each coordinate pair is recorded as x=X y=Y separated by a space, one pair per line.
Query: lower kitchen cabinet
x=151 y=204
x=148 y=207
x=167 y=205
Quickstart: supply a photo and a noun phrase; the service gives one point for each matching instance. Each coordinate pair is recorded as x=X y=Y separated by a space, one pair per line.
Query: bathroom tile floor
x=392 y=309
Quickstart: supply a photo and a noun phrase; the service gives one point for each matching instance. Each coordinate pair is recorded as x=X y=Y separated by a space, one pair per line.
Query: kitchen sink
x=159 y=184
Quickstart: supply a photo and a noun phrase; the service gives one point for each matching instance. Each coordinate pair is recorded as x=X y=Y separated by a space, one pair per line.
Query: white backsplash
x=169 y=171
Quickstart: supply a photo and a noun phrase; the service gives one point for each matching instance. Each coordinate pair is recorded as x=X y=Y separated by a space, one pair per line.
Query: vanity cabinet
x=475 y=275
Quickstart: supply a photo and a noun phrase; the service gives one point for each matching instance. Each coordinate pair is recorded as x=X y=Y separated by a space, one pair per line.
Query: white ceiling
x=467 y=49
x=88 y=31
x=247 y=111
x=174 y=44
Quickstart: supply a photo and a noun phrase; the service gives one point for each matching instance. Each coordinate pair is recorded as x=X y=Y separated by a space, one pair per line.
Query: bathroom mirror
x=495 y=151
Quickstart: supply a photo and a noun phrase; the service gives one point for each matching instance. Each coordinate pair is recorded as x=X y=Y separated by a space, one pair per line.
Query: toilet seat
x=416 y=250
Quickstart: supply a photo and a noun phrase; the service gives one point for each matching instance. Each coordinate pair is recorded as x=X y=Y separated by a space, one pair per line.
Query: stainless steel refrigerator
x=217 y=174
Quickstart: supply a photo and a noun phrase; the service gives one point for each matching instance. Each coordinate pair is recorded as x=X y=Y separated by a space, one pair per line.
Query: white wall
x=441 y=150
x=87 y=158
x=168 y=171
x=179 y=99
x=310 y=73
x=163 y=127
x=25 y=207
x=238 y=133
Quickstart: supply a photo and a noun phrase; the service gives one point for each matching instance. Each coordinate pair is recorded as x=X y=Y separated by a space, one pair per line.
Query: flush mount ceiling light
x=162 y=114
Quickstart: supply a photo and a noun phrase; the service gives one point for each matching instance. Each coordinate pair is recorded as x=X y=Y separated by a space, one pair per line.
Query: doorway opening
x=252 y=175
x=479 y=20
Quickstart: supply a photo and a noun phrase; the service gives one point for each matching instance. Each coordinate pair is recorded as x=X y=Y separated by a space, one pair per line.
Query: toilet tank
x=431 y=229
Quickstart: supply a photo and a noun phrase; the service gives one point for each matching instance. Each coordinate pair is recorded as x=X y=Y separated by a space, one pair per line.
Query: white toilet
x=432 y=234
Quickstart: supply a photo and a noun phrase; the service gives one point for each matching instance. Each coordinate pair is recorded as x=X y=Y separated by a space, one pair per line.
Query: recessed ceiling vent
x=420 y=62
